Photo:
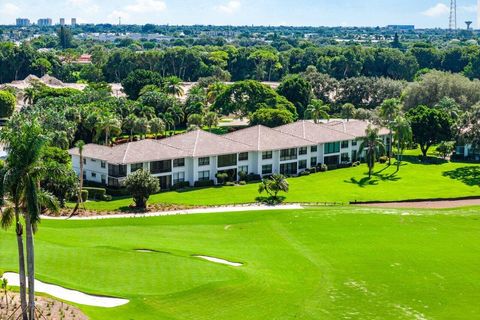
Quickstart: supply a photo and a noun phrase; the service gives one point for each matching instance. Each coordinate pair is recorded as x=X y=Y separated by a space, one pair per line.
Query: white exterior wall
x=92 y=166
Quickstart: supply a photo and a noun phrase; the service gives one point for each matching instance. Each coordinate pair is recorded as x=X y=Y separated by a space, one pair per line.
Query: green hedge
x=96 y=193
x=202 y=184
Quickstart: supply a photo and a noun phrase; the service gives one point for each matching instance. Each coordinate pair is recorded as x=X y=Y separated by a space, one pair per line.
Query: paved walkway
x=444 y=204
x=244 y=208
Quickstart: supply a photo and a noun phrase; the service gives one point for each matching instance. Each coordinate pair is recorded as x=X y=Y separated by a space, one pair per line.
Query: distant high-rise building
x=62 y=21
x=74 y=22
x=45 y=22
x=23 y=22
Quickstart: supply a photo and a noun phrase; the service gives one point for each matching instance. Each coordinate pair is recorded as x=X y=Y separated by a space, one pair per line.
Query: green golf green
x=415 y=180
x=317 y=263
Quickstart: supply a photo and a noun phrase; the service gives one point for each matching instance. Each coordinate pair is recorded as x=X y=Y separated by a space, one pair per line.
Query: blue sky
x=422 y=13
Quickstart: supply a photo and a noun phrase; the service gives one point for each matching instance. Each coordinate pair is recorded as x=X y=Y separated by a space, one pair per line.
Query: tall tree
x=402 y=136
x=373 y=147
x=389 y=110
x=317 y=110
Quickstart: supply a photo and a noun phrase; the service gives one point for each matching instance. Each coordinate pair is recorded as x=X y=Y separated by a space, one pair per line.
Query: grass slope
x=414 y=181
x=328 y=263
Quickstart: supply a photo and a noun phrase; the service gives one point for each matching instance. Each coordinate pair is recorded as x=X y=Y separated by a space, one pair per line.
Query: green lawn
x=328 y=263
x=415 y=180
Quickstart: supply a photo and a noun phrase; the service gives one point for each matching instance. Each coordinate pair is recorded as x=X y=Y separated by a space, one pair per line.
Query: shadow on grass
x=270 y=200
x=468 y=175
x=375 y=179
x=426 y=161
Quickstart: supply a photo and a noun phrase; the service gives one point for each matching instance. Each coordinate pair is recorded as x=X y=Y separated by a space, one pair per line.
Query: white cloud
x=229 y=7
x=472 y=8
x=440 y=9
x=9 y=9
x=146 y=6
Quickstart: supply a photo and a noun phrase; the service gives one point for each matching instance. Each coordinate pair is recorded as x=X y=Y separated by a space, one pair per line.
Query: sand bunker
x=67 y=294
x=221 y=261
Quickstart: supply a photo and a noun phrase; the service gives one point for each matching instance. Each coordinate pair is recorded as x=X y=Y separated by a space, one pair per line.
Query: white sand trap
x=145 y=251
x=67 y=294
x=221 y=261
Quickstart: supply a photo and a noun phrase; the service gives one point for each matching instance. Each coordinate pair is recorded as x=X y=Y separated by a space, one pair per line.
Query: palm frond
x=8 y=214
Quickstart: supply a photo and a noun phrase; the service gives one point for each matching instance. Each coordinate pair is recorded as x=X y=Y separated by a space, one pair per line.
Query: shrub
x=323 y=168
x=7 y=104
x=222 y=177
x=230 y=184
x=242 y=183
x=204 y=183
x=242 y=176
x=181 y=185
x=313 y=170
x=332 y=166
x=107 y=197
x=383 y=159
x=304 y=173
x=141 y=184
x=96 y=193
x=253 y=177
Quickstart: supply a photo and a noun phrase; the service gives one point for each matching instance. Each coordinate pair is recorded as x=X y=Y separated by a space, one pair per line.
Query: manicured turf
x=415 y=180
x=329 y=263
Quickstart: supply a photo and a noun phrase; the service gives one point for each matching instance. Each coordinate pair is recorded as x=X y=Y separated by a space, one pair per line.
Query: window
x=302 y=151
x=267 y=169
x=204 y=161
x=103 y=164
x=302 y=164
x=354 y=155
x=93 y=160
x=243 y=169
x=104 y=179
x=333 y=147
x=84 y=161
x=117 y=171
x=160 y=166
x=313 y=161
x=288 y=154
x=243 y=156
x=345 y=144
x=228 y=160
x=314 y=149
x=345 y=157
x=331 y=160
x=288 y=168
x=135 y=167
x=203 y=175
x=178 y=177
x=177 y=163
x=354 y=143
x=94 y=175
x=267 y=155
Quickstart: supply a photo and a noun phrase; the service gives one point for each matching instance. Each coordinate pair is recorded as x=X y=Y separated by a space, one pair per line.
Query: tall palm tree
x=29 y=95
x=25 y=168
x=318 y=110
x=402 y=136
x=373 y=146
x=177 y=115
x=80 y=145
x=142 y=127
x=156 y=125
x=169 y=121
x=389 y=110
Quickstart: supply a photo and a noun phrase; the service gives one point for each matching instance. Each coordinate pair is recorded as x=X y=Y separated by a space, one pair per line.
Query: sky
x=422 y=13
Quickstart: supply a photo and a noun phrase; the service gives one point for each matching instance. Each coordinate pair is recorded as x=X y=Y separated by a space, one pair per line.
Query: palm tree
x=25 y=142
x=211 y=120
x=214 y=90
x=169 y=121
x=80 y=145
x=318 y=110
x=373 y=146
x=173 y=86
x=129 y=125
x=142 y=127
x=273 y=185
x=177 y=115
x=389 y=110
x=29 y=95
x=156 y=125
x=195 y=120
x=402 y=136
x=348 y=111
x=110 y=126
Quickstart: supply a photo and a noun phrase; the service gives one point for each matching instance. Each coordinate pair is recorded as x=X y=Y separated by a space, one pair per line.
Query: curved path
x=443 y=204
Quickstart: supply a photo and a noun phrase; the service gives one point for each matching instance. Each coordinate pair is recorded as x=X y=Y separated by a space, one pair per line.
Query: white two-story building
x=200 y=155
